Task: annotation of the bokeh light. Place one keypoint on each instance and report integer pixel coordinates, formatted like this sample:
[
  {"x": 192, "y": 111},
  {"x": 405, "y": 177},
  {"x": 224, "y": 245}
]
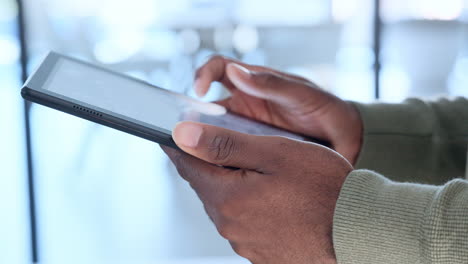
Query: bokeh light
[
  {"x": 343, "y": 10},
  {"x": 189, "y": 41},
  {"x": 9, "y": 50},
  {"x": 436, "y": 9},
  {"x": 422, "y": 9},
  {"x": 245, "y": 38},
  {"x": 118, "y": 46},
  {"x": 161, "y": 44},
  {"x": 65, "y": 9},
  {"x": 223, "y": 38},
  {"x": 292, "y": 12},
  {"x": 8, "y": 11},
  {"x": 135, "y": 14}
]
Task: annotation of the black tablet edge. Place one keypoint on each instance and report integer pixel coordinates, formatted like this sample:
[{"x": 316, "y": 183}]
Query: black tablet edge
[{"x": 92, "y": 115}]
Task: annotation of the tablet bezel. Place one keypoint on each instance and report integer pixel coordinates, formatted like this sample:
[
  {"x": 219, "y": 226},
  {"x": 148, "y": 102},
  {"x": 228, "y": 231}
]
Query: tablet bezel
[{"x": 33, "y": 91}]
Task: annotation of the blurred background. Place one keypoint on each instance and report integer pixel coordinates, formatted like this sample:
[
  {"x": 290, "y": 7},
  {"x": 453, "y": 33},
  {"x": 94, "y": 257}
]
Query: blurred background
[{"x": 102, "y": 196}]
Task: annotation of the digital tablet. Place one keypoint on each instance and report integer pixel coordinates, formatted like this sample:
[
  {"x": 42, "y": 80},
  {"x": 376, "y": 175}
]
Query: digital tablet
[{"x": 127, "y": 104}]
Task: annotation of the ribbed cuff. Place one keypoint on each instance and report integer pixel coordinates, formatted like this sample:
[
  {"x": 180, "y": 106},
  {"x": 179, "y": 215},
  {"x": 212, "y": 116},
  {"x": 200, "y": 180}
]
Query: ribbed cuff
[{"x": 380, "y": 221}]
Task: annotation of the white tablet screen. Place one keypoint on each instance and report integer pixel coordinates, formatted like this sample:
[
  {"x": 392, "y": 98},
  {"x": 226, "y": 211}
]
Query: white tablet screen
[{"x": 144, "y": 102}]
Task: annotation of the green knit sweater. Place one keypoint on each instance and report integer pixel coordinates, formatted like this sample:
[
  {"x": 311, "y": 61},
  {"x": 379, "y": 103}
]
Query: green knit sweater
[{"x": 418, "y": 212}]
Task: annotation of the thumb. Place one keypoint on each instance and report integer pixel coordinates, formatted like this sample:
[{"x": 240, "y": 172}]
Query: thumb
[
  {"x": 225, "y": 147},
  {"x": 270, "y": 85}
]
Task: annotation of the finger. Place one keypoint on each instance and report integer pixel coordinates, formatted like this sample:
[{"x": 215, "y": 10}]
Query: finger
[
  {"x": 211, "y": 183},
  {"x": 225, "y": 147},
  {"x": 211, "y": 71},
  {"x": 214, "y": 71},
  {"x": 201, "y": 175},
  {"x": 273, "y": 87},
  {"x": 224, "y": 102}
]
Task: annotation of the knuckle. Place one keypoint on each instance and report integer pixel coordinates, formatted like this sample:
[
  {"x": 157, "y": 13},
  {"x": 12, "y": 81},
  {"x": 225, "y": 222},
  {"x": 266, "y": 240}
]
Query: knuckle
[
  {"x": 216, "y": 57},
  {"x": 226, "y": 230},
  {"x": 182, "y": 165},
  {"x": 243, "y": 251},
  {"x": 199, "y": 72},
  {"x": 299, "y": 78},
  {"x": 210, "y": 61},
  {"x": 214, "y": 60},
  {"x": 266, "y": 78},
  {"x": 177, "y": 160},
  {"x": 221, "y": 148},
  {"x": 192, "y": 176},
  {"x": 185, "y": 173}
]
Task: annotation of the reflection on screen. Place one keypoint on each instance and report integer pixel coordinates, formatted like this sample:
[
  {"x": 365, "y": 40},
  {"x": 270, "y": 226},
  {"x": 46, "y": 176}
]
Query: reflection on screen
[{"x": 143, "y": 102}]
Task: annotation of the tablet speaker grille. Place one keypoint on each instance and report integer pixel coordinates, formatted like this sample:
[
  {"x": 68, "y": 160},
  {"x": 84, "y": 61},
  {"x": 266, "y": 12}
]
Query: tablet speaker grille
[{"x": 86, "y": 110}]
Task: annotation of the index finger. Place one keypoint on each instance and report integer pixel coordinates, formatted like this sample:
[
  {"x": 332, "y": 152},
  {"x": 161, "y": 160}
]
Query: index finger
[
  {"x": 209, "y": 181},
  {"x": 214, "y": 70},
  {"x": 202, "y": 176}
]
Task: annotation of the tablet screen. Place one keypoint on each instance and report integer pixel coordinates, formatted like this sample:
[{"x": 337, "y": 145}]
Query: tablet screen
[{"x": 143, "y": 102}]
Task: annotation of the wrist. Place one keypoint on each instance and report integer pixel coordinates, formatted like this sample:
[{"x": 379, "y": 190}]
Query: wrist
[{"x": 356, "y": 129}]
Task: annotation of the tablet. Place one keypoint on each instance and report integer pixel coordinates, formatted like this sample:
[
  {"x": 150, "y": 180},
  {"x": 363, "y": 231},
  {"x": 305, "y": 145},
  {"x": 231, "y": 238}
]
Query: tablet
[{"x": 127, "y": 104}]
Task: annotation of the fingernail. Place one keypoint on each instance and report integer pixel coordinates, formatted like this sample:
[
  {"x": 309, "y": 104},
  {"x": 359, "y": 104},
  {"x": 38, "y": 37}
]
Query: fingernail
[
  {"x": 244, "y": 72},
  {"x": 197, "y": 88},
  {"x": 187, "y": 134}
]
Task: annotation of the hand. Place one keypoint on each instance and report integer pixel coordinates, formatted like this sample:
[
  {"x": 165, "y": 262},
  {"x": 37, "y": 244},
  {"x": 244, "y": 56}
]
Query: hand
[
  {"x": 278, "y": 206},
  {"x": 286, "y": 101}
]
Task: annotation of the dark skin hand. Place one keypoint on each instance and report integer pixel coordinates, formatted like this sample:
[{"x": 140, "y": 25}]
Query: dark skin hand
[
  {"x": 286, "y": 101},
  {"x": 278, "y": 206}
]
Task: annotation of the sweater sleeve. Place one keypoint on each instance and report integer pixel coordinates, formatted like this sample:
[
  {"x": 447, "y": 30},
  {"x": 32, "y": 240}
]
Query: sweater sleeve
[
  {"x": 396, "y": 218},
  {"x": 416, "y": 141},
  {"x": 381, "y": 221}
]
